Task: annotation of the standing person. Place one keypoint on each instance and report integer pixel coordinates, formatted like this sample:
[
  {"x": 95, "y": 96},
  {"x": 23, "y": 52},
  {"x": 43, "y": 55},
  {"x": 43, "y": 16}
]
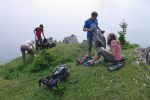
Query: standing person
[
  {"x": 29, "y": 47},
  {"x": 38, "y": 31},
  {"x": 88, "y": 27},
  {"x": 114, "y": 55}
]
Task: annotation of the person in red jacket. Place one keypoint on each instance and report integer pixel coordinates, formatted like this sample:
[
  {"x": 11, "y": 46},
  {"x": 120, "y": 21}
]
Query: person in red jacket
[{"x": 38, "y": 31}]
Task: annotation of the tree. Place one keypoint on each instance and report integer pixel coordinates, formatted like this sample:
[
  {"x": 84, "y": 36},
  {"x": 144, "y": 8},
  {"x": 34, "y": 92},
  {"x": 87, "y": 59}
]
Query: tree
[{"x": 122, "y": 33}]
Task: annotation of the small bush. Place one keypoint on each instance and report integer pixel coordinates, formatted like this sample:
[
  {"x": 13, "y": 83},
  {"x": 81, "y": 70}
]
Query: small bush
[
  {"x": 51, "y": 57},
  {"x": 43, "y": 60},
  {"x": 10, "y": 73}
]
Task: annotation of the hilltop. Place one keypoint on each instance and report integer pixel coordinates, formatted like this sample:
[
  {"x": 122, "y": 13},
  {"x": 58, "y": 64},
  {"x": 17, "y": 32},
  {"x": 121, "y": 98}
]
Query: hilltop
[{"x": 18, "y": 82}]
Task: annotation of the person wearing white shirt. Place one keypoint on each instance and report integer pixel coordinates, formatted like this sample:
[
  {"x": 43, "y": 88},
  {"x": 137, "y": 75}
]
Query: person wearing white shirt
[{"x": 29, "y": 47}]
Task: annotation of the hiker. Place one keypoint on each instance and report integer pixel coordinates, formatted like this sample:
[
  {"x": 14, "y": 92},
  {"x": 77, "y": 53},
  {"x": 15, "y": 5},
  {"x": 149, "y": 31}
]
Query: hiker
[
  {"x": 88, "y": 27},
  {"x": 29, "y": 47},
  {"x": 38, "y": 31},
  {"x": 112, "y": 56}
]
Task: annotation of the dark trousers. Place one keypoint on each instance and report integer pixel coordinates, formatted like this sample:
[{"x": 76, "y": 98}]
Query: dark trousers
[
  {"x": 107, "y": 57},
  {"x": 39, "y": 43}
]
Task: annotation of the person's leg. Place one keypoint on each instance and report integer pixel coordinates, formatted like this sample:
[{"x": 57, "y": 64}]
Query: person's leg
[
  {"x": 95, "y": 59},
  {"x": 40, "y": 42},
  {"x": 36, "y": 44},
  {"x": 23, "y": 54},
  {"x": 31, "y": 52},
  {"x": 107, "y": 57},
  {"x": 89, "y": 46}
]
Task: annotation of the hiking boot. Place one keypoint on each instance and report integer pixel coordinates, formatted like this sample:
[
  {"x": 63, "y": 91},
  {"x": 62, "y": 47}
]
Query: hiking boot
[{"x": 88, "y": 63}]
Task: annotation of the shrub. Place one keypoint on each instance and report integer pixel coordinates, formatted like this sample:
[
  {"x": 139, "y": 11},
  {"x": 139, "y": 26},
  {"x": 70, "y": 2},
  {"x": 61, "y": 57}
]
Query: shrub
[
  {"x": 122, "y": 39},
  {"x": 10, "y": 73},
  {"x": 122, "y": 33},
  {"x": 43, "y": 60},
  {"x": 129, "y": 45},
  {"x": 46, "y": 59},
  {"x": 125, "y": 44}
]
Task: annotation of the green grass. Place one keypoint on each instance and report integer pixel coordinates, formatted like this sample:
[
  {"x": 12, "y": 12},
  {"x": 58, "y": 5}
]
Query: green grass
[{"x": 17, "y": 82}]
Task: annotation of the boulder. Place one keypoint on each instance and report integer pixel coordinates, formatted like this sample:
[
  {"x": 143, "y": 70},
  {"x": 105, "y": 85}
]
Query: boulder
[
  {"x": 138, "y": 49},
  {"x": 71, "y": 40},
  {"x": 143, "y": 55},
  {"x": 51, "y": 41},
  {"x": 148, "y": 55}
]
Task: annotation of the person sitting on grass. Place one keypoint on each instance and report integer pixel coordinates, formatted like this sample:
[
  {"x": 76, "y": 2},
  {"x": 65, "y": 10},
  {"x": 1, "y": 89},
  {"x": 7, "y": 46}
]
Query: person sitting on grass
[
  {"x": 29, "y": 47},
  {"x": 114, "y": 55}
]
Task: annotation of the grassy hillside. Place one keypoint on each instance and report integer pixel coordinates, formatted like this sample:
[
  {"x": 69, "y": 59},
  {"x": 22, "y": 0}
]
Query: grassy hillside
[{"x": 132, "y": 82}]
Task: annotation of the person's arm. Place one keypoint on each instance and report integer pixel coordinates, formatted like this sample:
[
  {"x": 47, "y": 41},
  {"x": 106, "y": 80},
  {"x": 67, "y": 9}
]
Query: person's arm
[
  {"x": 43, "y": 33},
  {"x": 99, "y": 28},
  {"x": 35, "y": 34},
  {"x": 86, "y": 30},
  {"x": 34, "y": 31},
  {"x": 33, "y": 48},
  {"x": 112, "y": 51}
]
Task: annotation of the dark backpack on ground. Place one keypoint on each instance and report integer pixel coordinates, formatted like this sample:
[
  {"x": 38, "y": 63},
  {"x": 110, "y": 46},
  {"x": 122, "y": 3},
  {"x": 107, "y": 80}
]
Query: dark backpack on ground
[{"x": 60, "y": 74}]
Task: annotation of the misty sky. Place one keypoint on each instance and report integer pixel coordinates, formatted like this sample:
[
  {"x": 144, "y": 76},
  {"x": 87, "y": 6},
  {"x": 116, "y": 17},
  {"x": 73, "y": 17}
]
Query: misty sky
[{"x": 61, "y": 18}]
